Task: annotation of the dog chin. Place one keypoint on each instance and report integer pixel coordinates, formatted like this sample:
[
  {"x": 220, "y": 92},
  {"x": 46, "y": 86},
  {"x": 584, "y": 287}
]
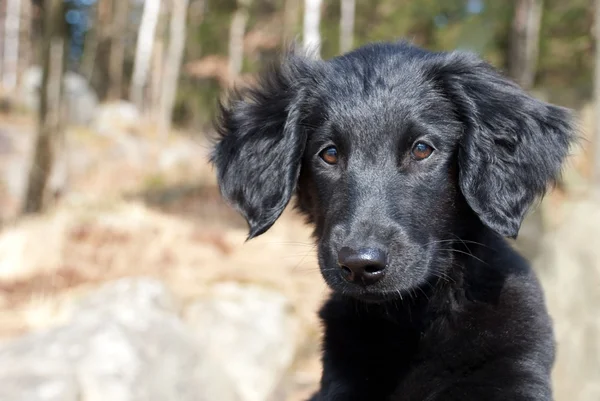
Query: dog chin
[
  {"x": 382, "y": 293},
  {"x": 374, "y": 298},
  {"x": 369, "y": 296}
]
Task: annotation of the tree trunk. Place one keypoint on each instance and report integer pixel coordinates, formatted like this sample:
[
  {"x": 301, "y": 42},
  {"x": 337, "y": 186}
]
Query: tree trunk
[
  {"x": 172, "y": 65},
  {"x": 156, "y": 79},
  {"x": 158, "y": 65},
  {"x": 143, "y": 53},
  {"x": 596, "y": 144},
  {"x": 12, "y": 21},
  {"x": 291, "y": 16},
  {"x": 49, "y": 106},
  {"x": 117, "y": 48},
  {"x": 524, "y": 42},
  {"x": 348, "y": 8},
  {"x": 26, "y": 42},
  {"x": 312, "y": 21},
  {"x": 237, "y": 30},
  {"x": 90, "y": 48},
  {"x": 2, "y": 25}
]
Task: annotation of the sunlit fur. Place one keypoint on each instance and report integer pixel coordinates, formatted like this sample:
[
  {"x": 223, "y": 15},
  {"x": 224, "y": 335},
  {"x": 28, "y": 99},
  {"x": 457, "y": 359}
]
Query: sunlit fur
[{"x": 459, "y": 315}]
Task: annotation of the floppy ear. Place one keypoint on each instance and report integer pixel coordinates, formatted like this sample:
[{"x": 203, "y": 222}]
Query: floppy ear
[
  {"x": 260, "y": 146},
  {"x": 513, "y": 145}
]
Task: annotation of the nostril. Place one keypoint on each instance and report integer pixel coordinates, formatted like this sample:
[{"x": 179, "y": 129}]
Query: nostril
[
  {"x": 346, "y": 270},
  {"x": 374, "y": 269}
]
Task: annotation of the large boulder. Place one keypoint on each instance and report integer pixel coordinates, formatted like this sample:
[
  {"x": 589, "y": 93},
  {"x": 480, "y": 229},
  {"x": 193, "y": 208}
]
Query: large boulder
[
  {"x": 247, "y": 332},
  {"x": 124, "y": 343},
  {"x": 127, "y": 342},
  {"x": 569, "y": 268},
  {"x": 38, "y": 380}
]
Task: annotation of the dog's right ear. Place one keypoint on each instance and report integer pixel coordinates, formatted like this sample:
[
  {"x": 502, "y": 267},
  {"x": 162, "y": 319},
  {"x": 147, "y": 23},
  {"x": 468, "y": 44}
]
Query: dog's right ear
[{"x": 260, "y": 145}]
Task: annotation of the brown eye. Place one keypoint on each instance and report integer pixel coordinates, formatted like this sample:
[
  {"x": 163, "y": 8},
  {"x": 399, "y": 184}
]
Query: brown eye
[
  {"x": 421, "y": 151},
  {"x": 329, "y": 155}
]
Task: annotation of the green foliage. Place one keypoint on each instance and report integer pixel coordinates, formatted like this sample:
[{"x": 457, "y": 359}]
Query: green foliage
[
  {"x": 564, "y": 71},
  {"x": 566, "y": 50}
]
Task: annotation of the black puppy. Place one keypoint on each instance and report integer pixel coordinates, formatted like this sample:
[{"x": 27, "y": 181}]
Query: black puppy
[{"x": 412, "y": 166}]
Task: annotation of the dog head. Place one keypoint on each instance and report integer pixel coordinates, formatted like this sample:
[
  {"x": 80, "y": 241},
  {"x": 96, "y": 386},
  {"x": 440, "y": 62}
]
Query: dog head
[{"x": 394, "y": 153}]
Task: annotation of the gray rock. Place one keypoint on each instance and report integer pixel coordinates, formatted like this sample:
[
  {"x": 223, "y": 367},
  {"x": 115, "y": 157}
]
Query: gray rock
[
  {"x": 126, "y": 342},
  {"x": 6, "y": 142},
  {"x": 181, "y": 153},
  {"x": 80, "y": 98},
  {"x": 15, "y": 147},
  {"x": 569, "y": 268},
  {"x": 137, "y": 294},
  {"x": 249, "y": 333},
  {"x": 31, "y": 379},
  {"x": 116, "y": 117},
  {"x": 15, "y": 176}
]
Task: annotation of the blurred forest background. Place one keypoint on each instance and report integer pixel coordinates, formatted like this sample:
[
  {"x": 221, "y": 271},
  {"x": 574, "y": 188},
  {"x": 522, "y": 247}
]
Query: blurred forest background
[{"x": 123, "y": 276}]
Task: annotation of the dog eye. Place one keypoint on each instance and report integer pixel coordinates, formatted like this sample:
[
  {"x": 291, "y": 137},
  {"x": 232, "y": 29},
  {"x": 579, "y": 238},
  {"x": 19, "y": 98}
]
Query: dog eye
[
  {"x": 421, "y": 151},
  {"x": 329, "y": 155}
]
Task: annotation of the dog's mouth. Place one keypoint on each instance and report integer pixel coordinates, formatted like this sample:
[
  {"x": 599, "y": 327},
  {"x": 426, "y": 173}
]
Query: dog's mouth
[{"x": 373, "y": 297}]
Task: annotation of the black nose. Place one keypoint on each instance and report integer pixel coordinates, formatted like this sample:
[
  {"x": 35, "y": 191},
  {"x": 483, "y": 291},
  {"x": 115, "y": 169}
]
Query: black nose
[{"x": 364, "y": 266}]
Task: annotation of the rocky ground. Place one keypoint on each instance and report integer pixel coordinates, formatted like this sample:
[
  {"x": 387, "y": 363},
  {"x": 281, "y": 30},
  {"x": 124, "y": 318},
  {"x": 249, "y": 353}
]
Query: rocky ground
[{"x": 138, "y": 285}]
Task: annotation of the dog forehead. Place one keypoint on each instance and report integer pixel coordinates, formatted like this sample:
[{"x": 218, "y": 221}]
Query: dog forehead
[
  {"x": 354, "y": 85},
  {"x": 381, "y": 117},
  {"x": 374, "y": 102},
  {"x": 376, "y": 95}
]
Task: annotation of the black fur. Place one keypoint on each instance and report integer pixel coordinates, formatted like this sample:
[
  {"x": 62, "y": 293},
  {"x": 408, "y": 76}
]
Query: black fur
[{"x": 459, "y": 315}]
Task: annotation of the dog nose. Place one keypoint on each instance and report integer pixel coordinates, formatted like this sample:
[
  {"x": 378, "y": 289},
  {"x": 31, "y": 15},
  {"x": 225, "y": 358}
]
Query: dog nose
[{"x": 363, "y": 266}]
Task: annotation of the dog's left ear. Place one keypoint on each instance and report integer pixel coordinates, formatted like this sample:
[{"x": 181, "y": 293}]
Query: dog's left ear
[
  {"x": 260, "y": 145},
  {"x": 513, "y": 145}
]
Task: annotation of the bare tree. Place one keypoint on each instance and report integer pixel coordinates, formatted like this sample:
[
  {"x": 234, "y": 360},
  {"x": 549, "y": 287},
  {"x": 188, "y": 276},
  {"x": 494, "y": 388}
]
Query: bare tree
[
  {"x": 143, "y": 53},
  {"x": 92, "y": 39},
  {"x": 348, "y": 9},
  {"x": 596, "y": 155},
  {"x": 2, "y": 24},
  {"x": 291, "y": 14},
  {"x": 524, "y": 41},
  {"x": 26, "y": 41},
  {"x": 172, "y": 65},
  {"x": 312, "y": 22},
  {"x": 156, "y": 77},
  {"x": 11, "y": 44},
  {"x": 49, "y": 106},
  {"x": 237, "y": 30},
  {"x": 117, "y": 48}
]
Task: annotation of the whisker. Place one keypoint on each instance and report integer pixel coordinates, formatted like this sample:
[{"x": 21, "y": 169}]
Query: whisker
[
  {"x": 304, "y": 257},
  {"x": 420, "y": 289},
  {"x": 465, "y": 253},
  {"x": 464, "y": 241},
  {"x": 444, "y": 276}
]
